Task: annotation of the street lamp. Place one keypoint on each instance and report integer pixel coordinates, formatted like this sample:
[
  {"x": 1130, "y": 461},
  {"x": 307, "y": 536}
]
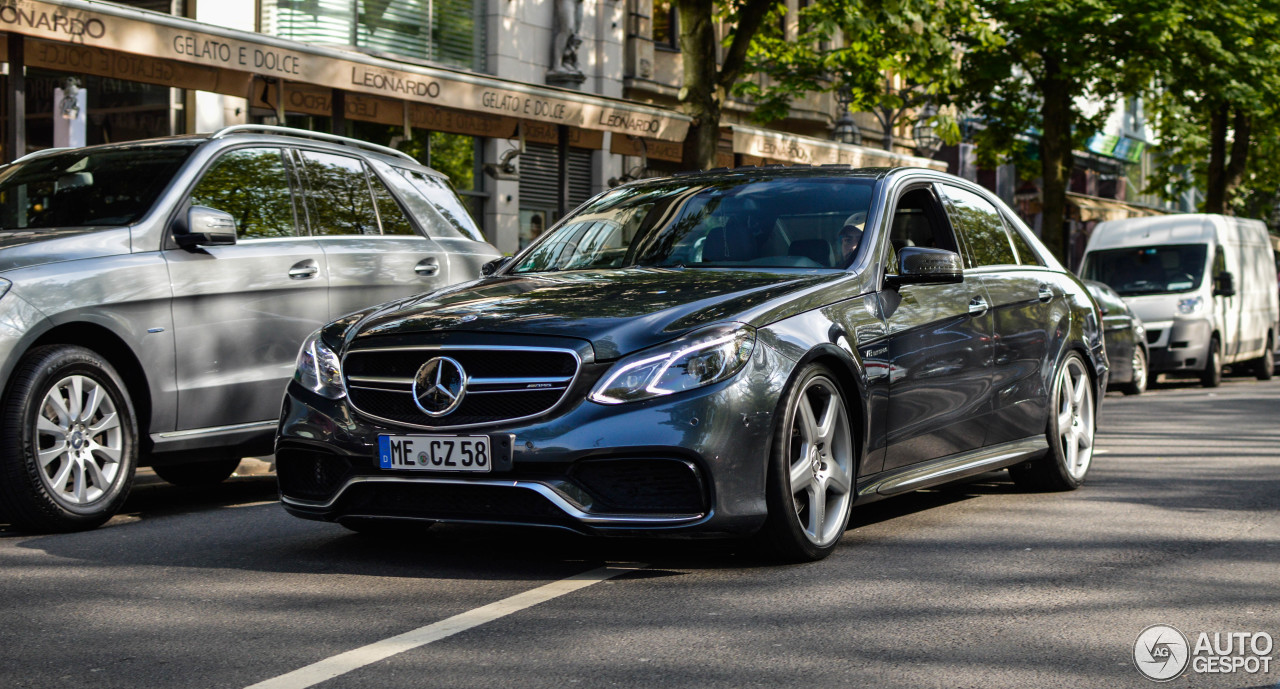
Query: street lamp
[
  {"x": 926, "y": 137},
  {"x": 846, "y": 131}
]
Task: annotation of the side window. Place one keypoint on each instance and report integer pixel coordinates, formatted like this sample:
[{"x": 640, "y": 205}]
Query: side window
[
  {"x": 252, "y": 185},
  {"x": 918, "y": 221},
  {"x": 1026, "y": 255},
  {"x": 394, "y": 221},
  {"x": 338, "y": 197},
  {"x": 979, "y": 224}
]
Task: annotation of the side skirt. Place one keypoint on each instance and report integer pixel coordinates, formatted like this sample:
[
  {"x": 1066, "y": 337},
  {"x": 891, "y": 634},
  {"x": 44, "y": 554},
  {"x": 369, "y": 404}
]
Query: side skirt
[{"x": 950, "y": 468}]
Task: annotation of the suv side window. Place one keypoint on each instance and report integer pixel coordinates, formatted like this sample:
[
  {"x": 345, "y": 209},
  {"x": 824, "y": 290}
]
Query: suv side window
[
  {"x": 980, "y": 227},
  {"x": 393, "y": 219},
  {"x": 338, "y": 198},
  {"x": 252, "y": 184}
]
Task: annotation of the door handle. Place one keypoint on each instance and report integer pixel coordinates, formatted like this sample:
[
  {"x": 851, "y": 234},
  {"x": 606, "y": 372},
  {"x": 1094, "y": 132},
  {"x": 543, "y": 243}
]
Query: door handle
[
  {"x": 427, "y": 267},
  {"x": 303, "y": 270},
  {"x": 1046, "y": 292},
  {"x": 977, "y": 306}
]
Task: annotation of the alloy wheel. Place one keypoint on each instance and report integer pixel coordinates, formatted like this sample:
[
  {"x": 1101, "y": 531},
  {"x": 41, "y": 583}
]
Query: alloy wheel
[
  {"x": 1075, "y": 417},
  {"x": 79, "y": 441},
  {"x": 821, "y": 462}
]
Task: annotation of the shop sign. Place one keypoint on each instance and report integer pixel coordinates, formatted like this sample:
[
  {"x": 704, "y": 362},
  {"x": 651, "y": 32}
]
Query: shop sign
[
  {"x": 652, "y": 149},
  {"x": 544, "y": 133},
  {"x": 80, "y": 59}
]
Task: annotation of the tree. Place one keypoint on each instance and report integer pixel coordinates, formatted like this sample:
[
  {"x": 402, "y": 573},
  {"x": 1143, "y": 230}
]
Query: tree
[
  {"x": 1214, "y": 95},
  {"x": 1048, "y": 56}
]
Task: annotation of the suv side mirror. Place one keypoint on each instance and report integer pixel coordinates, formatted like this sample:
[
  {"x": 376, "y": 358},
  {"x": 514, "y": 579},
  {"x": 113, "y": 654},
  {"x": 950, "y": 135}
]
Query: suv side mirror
[
  {"x": 1224, "y": 285},
  {"x": 205, "y": 227},
  {"x": 495, "y": 265},
  {"x": 923, "y": 265}
]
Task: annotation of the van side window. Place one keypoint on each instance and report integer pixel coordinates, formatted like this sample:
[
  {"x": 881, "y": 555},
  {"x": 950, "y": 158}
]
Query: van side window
[
  {"x": 980, "y": 228},
  {"x": 253, "y": 186}
]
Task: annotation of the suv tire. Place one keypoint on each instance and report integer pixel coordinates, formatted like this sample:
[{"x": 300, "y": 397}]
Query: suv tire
[{"x": 68, "y": 441}]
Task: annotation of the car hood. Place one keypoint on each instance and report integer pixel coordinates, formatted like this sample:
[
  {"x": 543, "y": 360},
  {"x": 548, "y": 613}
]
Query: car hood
[
  {"x": 22, "y": 248},
  {"x": 618, "y": 311}
]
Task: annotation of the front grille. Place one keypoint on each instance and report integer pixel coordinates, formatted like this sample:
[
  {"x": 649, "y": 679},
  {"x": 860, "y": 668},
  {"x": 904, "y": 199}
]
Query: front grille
[
  {"x": 310, "y": 475},
  {"x": 462, "y": 502},
  {"x": 503, "y": 383},
  {"x": 641, "y": 485}
]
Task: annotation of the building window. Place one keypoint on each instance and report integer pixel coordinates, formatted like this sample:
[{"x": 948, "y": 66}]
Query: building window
[
  {"x": 666, "y": 26},
  {"x": 448, "y": 32}
]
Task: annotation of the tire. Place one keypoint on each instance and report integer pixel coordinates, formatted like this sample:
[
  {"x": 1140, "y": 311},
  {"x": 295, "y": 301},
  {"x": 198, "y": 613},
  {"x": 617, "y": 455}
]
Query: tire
[
  {"x": 1138, "y": 384},
  {"x": 1265, "y": 366},
  {"x": 1212, "y": 376},
  {"x": 810, "y": 484},
  {"x": 70, "y": 403},
  {"x": 196, "y": 474},
  {"x": 1071, "y": 428}
]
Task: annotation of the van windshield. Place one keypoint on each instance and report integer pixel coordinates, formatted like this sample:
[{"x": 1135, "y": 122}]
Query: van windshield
[{"x": 1148, "y": 269}]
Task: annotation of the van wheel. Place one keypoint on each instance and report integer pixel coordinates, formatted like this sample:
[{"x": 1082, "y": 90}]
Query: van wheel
[
  {"x": 68, "y": 441},
  {"x": 1212, "y": 376},
  {"x": 195, "y": 474},
  {"x": 1265, "y": 365}
]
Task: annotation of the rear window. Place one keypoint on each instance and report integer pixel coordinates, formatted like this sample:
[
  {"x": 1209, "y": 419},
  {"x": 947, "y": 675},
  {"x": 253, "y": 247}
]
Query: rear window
[{"x": 79, "y": 188}]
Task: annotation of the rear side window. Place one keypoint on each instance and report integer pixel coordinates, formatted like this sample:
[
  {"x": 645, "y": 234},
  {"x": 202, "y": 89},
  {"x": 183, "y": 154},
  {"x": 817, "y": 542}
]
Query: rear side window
[
  {"x": 1026, "y": 255},
  {"x": 252, "y": 184},
  {"x": 394, "y": 221},
  {"x": 339, "y": 201},
  {"x": 980, "y": 227},
  {"x": 442, "y": 200}
]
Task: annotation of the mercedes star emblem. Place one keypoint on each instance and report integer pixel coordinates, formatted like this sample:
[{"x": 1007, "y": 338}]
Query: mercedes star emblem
[{"x": 439, "y": 386}]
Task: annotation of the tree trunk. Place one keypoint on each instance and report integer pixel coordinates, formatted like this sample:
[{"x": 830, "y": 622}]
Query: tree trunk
[
  {"x": 699, "y": 92},
  {"x": 1241, "y": 129},
  {"x": 1215, "y": 193},
  {"x": 1055, "y": 159}
]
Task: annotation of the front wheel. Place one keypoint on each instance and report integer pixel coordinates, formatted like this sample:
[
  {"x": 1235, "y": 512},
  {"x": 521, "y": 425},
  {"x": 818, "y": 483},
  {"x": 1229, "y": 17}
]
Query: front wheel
[
  {"x": 1070, "y": 433},
  {"x": 1138, "y": 383},
  {"x": 68, "y": 441},
  {"x": 811, "y": 470},
  {"x": 1265, "y": 365},
  {"x": 1212, "y": 376}
]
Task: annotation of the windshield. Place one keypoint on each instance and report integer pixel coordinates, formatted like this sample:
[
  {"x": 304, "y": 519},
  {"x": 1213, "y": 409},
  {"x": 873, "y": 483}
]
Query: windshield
[
  {"x": 1148, "y": 269},
  {"x": 810, "y": 222},
  {"x": 86, "y": 188}
]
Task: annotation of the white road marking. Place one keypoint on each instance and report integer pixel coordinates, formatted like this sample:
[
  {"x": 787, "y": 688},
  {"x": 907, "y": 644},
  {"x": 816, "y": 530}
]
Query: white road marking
[{"x": 343, "y": 663}]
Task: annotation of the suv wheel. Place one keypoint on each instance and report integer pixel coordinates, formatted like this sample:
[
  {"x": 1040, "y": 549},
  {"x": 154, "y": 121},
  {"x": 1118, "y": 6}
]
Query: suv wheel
[
  {"x": 195, "y": 474},
  {"x": 68, "y": 441},
  {"x": 811, "y": 470},
  {"x": 1070, "y": 433}
]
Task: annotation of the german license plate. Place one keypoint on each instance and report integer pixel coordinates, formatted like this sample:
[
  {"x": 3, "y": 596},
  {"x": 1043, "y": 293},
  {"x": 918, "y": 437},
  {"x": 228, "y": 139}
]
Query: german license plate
[{"x": 435, "y": 452}]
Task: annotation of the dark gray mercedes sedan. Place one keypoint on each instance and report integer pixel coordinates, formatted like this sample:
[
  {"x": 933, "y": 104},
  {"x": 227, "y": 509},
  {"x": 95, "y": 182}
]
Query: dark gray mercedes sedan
[{"x": 738, "y": 352}]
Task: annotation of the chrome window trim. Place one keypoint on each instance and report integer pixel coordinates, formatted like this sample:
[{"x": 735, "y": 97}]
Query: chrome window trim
[{"x": 577, "y": 360}]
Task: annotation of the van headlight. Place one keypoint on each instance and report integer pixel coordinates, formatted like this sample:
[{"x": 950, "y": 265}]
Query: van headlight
[
  {"x": 701, "y": 358},
  {"x": 1187, "y": 307},
  {"x": 319, "y": 369}
]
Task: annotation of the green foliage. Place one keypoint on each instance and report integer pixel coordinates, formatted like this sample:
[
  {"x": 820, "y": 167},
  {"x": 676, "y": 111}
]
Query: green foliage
[
  {"x": 251, "y": 185},
  {"x": 847, "y": 46}
]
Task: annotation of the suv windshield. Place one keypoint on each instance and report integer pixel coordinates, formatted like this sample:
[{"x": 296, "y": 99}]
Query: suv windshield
[
  {"x": 1148, "y": 269},
  {"x": 755, "y": 222},
  {"x": 82, "y": 188}
]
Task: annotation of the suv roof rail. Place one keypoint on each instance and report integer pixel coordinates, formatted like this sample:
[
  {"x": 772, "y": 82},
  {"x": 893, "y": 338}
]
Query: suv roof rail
[{"x": 305, "y": 134}]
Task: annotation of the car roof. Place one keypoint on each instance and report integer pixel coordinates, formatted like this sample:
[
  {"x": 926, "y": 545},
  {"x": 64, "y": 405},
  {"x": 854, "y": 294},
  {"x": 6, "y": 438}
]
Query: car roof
[{"x": 749, "y": 172}]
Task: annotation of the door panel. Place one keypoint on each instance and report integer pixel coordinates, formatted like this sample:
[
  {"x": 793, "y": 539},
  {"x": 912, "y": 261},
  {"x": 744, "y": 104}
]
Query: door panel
[
  {"x": 240, "y": 312},
  {"x": 1021, "y": 303}
]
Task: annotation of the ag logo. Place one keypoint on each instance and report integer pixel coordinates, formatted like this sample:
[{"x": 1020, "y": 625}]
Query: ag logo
[
  {"x": 439, "y": 386},
  {"x": 1161, "y": 653}
]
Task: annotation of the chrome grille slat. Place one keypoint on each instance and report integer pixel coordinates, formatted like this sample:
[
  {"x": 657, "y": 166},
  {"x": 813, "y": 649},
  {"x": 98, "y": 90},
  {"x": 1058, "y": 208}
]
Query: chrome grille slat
[{"x": 380, "y": 389}]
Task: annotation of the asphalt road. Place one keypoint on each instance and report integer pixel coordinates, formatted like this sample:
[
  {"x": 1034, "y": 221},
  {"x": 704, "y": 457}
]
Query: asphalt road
[{"x": 975, "y": 586}]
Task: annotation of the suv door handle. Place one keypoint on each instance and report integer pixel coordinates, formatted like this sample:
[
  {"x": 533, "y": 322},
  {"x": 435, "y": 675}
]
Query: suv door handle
[
  {"x": 427, "y": 267},
  {"x": 1046, "y": 292},
  {"x": 303, "y": 270},
  {"x": 977, "y": 306}
]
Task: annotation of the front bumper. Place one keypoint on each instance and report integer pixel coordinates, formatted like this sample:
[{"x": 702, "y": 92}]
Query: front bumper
[
  {"x": 693, "y": 462},
  {"x": 1179, "y": 345}
]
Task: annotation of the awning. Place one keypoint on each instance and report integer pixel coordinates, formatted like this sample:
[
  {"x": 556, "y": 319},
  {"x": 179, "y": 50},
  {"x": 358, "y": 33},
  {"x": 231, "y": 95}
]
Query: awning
[
  {"x": 126, "y": 43},
  {"x": 793, "y": 148},
  {"x": 1094, "y": 208}
]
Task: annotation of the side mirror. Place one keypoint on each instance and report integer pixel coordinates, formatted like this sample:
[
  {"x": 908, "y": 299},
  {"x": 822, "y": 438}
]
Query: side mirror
[
  {"x": 205, "y": 227},
  {"x": 495, "y": 265},
  {"x": 922, "y": 265},
  {"x": 1224, "y": 285}
]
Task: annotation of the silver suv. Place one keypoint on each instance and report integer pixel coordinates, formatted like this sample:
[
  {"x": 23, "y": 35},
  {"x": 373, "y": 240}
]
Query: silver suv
[{"x": 154, "y": 295}]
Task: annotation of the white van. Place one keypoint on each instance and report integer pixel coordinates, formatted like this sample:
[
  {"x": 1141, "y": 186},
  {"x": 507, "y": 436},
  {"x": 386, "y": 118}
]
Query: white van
[{"x": 1204, "y": 284}]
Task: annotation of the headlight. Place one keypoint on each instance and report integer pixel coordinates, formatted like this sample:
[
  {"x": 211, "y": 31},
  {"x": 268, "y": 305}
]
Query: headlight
[
  {"x": 319, "y": 369},
  {"x": 701, "y": 358},
  {"x": 1190, "y": 306}
]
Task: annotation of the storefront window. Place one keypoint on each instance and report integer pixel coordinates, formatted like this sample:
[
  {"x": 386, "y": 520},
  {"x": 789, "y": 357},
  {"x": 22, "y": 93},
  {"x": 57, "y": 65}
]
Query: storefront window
[
  {"x": 445, "y": 31},
  {"x": 115, "y": 110}
]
